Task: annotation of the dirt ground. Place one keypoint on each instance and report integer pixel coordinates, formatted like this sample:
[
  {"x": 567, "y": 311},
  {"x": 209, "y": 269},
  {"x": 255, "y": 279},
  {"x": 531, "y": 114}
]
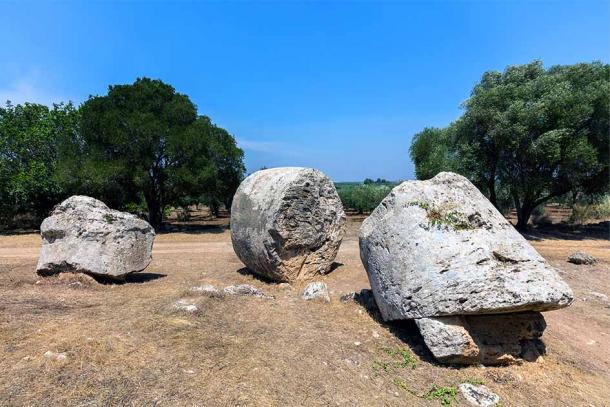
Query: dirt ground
[{"x": 127, "y": 345}]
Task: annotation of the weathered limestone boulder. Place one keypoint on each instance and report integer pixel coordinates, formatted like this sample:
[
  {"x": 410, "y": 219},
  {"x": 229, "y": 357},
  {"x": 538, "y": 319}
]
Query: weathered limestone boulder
[
  {"x": 439, "y": 247},
  {"x": 486, "y": 339},
  {"x": 83, "y": 235},
  {"x": 287, "y": 223}
]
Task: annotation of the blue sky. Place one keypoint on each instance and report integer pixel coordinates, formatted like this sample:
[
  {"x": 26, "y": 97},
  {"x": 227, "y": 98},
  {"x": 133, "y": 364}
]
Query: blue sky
[{"x": 340, "y": 86}]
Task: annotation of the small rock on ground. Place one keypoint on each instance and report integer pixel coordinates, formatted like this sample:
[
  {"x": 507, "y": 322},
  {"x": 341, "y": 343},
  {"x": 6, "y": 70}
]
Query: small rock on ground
[
  {"x": 55, "y": 355},
  {"x": 598, "y": 296},
  {"x": 316, "y": 291},
  {"x": 246, "y": 289},
  {"x": 479, "y": 395},
  {"x": 347, "y": 297},
  {"x": 185, "y": 305},
  {"x": 207, "y": 289},
  {"x": 581, "y": 258}
]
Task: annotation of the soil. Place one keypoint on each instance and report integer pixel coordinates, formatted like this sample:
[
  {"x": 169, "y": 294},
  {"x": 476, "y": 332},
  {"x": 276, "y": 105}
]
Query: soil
[{"x": 127, "y": 344}]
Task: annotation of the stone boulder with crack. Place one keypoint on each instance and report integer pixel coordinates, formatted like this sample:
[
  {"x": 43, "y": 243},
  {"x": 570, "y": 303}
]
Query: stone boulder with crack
[
  {"x": 484, "y": 339},
  {"x": 439, "y": 247},
  {"x": 287, "y": 223},
  {"x": 82, "y": 235}
]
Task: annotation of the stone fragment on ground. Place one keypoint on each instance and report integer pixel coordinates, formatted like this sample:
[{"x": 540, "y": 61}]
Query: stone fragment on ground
[
  {"x": 439, "y": 247},
  {"x": 206, "y": 289},
  {"x": 599, "y": 296},
  {"x": 186, "y": 306},
  {"x": 82, "y": 235},
  {"x": 59, "y": 356},
  {"x": 484, "y": 339},
  {"x": 479, "y": 395},
  {"x": 316, "y": 291},
  {"x": 287, "y": 223},
  {"x": 580, "y": 258},
  {"x": 246, "y": 290},
  {"x": 347, "y": 297}
]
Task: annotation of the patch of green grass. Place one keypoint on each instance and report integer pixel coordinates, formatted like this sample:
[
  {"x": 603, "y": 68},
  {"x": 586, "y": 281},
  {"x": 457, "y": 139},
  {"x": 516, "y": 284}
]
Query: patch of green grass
[
  {"x": 403, "y": 385},
  {"x": 445, "y": 394},
  {"x": 476, "y": 382},
  {"x": 406, "y": 358},
  {"x": 400, "y": 358},
  {"x": 109, "y": 218},
  {"x": 381, "y": 365}
]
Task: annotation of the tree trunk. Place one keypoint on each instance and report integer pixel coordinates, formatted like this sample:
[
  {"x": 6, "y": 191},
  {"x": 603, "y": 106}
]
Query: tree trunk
[
  {"x": 523, "y": 216},
  {"x": 155, "y": 211},
  {"x": 491, "y": 185}
]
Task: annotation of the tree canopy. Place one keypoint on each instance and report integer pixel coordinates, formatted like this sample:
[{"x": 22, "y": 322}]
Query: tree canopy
[
  {"x": 149, "y": 139},
  {"x": 142, "y": 142},
  {"x": 529, "y": 132},
  {"x": 30, "y": 136}
]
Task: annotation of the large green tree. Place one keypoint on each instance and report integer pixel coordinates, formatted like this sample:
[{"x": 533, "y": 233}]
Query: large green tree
[
  {"x": 146, "y": 137},
  {"x": 30, "y": 136},
  {"x": 535, "y": 133}
]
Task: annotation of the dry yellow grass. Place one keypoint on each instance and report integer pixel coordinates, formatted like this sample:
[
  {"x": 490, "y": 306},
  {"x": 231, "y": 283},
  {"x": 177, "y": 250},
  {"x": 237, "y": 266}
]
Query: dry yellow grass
[{"x": 127, "y": 344}]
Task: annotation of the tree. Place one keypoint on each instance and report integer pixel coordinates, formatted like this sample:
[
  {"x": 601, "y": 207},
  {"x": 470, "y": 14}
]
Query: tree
[
  {"x": 431, "y": 152},
  {"x": 30, "y": 135},
  {"x": 537, "y": 134},
  {"x": 147, "y": 138},
  {"x": 228, "y": 164}
]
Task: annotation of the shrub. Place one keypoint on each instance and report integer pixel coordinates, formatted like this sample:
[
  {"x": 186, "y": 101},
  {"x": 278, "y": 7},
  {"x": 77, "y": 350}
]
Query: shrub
[
  {"x": 362, "y": 198},
  {"x": 594, "y": 211}
]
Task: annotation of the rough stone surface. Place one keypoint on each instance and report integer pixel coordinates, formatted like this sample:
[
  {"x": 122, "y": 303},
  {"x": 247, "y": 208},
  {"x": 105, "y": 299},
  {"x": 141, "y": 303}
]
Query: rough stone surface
[
  {"x": 287, "y": 223},
  {"x": 479, "y": 395},
  {"x": 439, "y": 247},
  {"x": 316, "y": 291},
  {"x": 55, "y": 355},
  {"x": 581, "y": 258},
  {"x": 186, "y": 306},
  {"x": 245, "y": 289},
  {"x": 84, "y": 235},
  {"x": 484, "y": 339},
  {"x": 207, "y": 289}
]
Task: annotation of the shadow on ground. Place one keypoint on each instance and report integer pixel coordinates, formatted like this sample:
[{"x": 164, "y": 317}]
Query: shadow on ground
[
  {"x": 133, "y": 278},
  {"x": 191, "y": 229},
  {"x": 406, "y": 331},
  {"x": 245, "y": 271},
  {"x": 600, "y": 230}
]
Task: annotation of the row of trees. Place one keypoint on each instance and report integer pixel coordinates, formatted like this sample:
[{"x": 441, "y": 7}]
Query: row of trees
[
  {"x": 527, "y": 135},
  {"x": 365, "y": 197},
  {"x": 140, "y": 145}
]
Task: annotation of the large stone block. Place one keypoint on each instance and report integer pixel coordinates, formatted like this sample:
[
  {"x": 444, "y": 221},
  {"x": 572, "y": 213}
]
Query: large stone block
[
  {"x": 83, "y": 235},
  {"x": 287, "y": 223},
  {"x": 439, "y": 247},
  {"x": 486, "y": 339}
]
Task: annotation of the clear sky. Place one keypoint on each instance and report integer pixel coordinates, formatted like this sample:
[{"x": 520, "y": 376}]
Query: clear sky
[{"x": 340, "y": 86}]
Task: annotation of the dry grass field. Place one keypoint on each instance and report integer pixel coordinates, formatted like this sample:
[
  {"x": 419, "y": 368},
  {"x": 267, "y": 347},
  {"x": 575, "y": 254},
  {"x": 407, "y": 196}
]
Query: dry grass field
[{"x": 125, "y": 344}]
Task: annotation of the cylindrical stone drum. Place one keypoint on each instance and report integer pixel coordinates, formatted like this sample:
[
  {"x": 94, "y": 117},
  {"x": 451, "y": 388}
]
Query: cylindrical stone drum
[{"x": 287, "y": 223}]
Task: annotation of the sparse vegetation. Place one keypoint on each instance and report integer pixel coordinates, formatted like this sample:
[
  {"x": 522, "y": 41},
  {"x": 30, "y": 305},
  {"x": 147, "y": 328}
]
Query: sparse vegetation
[
  {"x": 446, "y": 394},
  {"x": 109, "y": 218},
  {"x": 442, "y": 217},
  {"x": 405, "y": 357}
]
